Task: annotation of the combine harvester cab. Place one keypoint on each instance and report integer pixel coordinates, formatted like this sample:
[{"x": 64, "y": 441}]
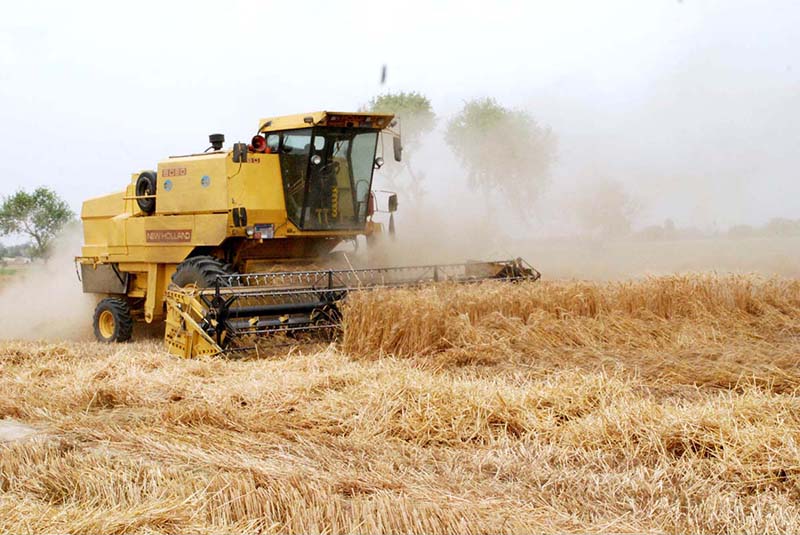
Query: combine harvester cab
[{"x": 192, "y": 242}]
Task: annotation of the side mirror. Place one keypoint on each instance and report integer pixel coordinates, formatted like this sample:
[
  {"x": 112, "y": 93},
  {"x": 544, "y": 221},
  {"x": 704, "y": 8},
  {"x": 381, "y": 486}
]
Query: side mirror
[
  {"x": 392, "y": 202},
  {"x": 398, "y": 148},
  {"x": 240, "y": 153}
]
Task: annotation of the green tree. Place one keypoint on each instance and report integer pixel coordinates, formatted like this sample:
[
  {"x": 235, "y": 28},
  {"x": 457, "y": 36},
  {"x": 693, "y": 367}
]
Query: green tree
[
  {"x": 416, "y": 118},
  {"x": 38, "y": 215},
  {"x": 414, "y": 111},
  {"x": 503, "y": 150}
]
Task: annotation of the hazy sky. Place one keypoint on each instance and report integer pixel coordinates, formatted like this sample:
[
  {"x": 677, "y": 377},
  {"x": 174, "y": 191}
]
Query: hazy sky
[{"x": 694, "y": 105}]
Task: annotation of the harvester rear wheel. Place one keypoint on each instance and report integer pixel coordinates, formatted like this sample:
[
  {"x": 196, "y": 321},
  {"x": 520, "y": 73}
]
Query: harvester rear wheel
[
  {"x": 112, "y": 320},
  {"x": 202, "y": 271}
]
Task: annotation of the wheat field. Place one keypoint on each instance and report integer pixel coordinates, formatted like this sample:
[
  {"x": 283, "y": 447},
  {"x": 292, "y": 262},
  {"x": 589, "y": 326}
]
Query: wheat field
[{"x": 659, "y": 405}]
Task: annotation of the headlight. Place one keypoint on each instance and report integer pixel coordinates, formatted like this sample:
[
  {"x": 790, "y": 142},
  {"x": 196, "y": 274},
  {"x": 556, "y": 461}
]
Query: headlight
[
  {"x": 378, "y": 162},
  {"x": 316, "y": 159},
  {"x": 250, "y": 231}
]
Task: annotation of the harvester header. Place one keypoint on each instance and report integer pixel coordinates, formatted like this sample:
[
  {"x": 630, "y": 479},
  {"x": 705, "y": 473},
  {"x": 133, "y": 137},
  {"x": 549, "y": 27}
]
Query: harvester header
[{"x": 236, "y": 310}]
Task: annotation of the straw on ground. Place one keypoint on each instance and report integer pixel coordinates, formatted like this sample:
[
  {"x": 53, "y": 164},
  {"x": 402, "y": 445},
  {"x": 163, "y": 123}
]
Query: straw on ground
[{"x": 666, "y": 404}]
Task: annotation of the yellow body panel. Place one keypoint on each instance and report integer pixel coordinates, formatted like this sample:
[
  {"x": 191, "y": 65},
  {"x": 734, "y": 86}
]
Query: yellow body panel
[
  {"x": 153, "y": 239},
  {"x": 258, "y": 187},
  {"x": 193, "y": 184},
  {"x": 103, "y": 207},
  {"x": 104, "y": 225}
]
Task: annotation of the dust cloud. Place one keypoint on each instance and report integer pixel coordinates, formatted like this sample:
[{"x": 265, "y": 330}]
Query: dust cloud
[
  {"x": 682, "y": 157},
  {"x": 599, "y": 220},
  {"x": 46, "y": 301}
]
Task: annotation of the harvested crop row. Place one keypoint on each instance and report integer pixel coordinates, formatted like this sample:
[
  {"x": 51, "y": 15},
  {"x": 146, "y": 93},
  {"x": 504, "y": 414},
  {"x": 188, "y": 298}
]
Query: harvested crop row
[{"x": 140, "y": 441}]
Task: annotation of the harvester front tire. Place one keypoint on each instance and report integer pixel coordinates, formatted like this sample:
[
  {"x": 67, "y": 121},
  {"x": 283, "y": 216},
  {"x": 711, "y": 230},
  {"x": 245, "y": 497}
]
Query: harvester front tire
[
  {"x": 112, "y": 320},
  {"x": 202, "y": 271}
]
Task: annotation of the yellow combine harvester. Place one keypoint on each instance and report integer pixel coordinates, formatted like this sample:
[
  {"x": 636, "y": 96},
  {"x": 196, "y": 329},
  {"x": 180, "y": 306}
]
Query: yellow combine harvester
[{"x": 196, "y": 241}]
